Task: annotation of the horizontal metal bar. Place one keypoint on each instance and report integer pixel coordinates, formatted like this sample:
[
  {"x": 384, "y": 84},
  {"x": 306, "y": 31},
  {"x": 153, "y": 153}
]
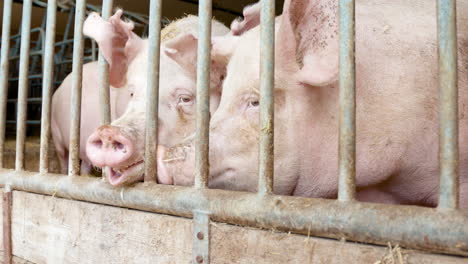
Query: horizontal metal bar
[
  {"x": 38, "y": 29},
  {"x": 4, "y": 64},
  {"x": 448, "y": 104},
  {"x": 267, "y": 76},
  {"x": 28, "y": 122},
  {"x": 31, "y": 53},
  {"x": 347, "y": 83},
  {"x": 409, "y": 226},
  {"x": 29, "y": 100},
  {"x": 34, "y": 76}
]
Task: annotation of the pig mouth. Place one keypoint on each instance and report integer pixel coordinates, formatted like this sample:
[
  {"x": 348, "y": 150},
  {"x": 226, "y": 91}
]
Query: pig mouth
[{"x": 120, "y": 176}]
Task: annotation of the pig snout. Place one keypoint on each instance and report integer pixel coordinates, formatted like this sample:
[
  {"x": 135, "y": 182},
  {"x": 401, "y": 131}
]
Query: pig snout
[{"x": 108, "y": 147}]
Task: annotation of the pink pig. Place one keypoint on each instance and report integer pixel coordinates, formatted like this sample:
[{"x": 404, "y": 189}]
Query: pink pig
[
  {"x": 397, "y": 109},
  {"x": 120, "y": 146},
  {"x": 60, "y": 122}
]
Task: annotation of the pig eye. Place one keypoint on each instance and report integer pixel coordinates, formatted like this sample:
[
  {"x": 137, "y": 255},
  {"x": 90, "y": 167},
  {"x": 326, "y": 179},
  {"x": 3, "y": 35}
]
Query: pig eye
[
  {"x": 185, "y": 99},
  {"x": 254, "y": 102},
  {"x": 131, "y": 94}
]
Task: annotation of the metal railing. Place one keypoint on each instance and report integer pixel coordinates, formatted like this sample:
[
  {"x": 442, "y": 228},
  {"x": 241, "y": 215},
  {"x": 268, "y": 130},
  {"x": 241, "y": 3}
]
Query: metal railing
[{"x": 409, "y": 226}]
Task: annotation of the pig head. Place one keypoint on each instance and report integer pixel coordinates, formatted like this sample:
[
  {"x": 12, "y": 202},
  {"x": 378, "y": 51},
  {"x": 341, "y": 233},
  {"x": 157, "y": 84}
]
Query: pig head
[
  {"x": 60, "y": 117},
  {"x": 397, "y": 120},
  {"x": 120, "y": 146}
]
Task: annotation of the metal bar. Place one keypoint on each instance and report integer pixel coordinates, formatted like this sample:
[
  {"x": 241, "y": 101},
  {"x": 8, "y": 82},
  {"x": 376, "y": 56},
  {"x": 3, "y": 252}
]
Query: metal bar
[
  {"x": 104, "y": 72},
  {"x": 6, "y": 214},
  {"x": 201, "y": 237},
  {"x": 203, "y": 94},
  {"x": 267, "y": 107},
  {"x": 47, "y": 85},
  {"x": 407, "y": 226},
  {"x": 30, "y": 77},
  {"x": 23, "y": 84},
  {"x": 78, "y": 46},
  {"x": 31, "y": 100},
  {"x": 28, "y": 122},
  {"x": 152, "y": 91},
  {"x": 4, "y": 64},
  {"x": 448, "y": 104},
  {"x": 347, "y": 137}
]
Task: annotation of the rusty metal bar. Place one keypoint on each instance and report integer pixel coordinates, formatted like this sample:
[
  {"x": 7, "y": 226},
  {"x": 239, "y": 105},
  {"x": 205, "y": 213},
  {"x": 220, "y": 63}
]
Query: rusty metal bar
[
  {"x": 104, "y": 92},
  {"x": 75, "y": 111},
  {"x": 152, "y": 91},
  {"x": 407, "y": 226},
  {"x": 448, "y": 104},
  {"x": 4, "y": 61},
  {"x": 6, "y": 214},
  {"x": 267, "y": 76},
  {"x": 23, "y": 84},
  {"x": 347, "y": 83},
  {"x": 203, "y": 94},
  {"x": 47, "y": 85}
]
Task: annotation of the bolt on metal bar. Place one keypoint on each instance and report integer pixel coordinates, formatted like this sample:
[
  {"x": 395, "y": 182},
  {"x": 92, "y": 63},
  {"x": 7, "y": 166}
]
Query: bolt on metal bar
[
  {"x": 375, "y": 223},
  {"x": 75, "y": 111},
  {"x": 203, "y": 94},
  {"x": 152, "y": 101},
  {"x": 23, "y": 84},
  {"x": 201, "y": 237},
  {"x": 104, "y": 92},
  {"x": 6, "y": 215},
  {"x": 4, "y": 62},
  {"x": 267, "y": 76},
  {"x": 47, "y": 85},
  {"x": 347, "y": 83},
  {"x": 448, "y": 104}
]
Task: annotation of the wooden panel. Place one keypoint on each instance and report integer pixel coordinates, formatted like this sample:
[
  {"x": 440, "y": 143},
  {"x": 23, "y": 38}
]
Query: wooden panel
[{"x": 54, "y": 230}]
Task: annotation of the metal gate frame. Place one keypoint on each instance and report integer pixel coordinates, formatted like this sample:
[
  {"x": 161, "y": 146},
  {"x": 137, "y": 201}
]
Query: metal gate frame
[{"x": 443, "y": 229}]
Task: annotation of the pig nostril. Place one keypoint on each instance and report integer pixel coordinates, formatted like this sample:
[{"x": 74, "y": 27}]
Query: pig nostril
[
  {"x": 118, "y": 145},
  {"x": 97, "y": 143}
]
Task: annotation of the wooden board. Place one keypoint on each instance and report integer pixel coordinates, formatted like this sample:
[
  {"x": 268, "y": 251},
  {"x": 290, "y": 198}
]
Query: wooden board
[{"x": 53, "y": 230}]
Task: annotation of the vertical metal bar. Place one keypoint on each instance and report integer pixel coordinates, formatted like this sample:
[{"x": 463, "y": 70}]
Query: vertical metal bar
[
  {"x": 6, "y": 214},
  {"x": 74, "y": 157},
  {"x": 448, "y": 104},
  {"x": 267, "y": 107},
  {"x": 4, "y": 73},
  {"x": 347, "y": 137},
  {"x": 104, "y": 72},
  {"x": 47, "y": 83},
  {"x": 152, "y": 100},
  {"x": 23, "y": 84},
  {"x": 203, "y": 94}
]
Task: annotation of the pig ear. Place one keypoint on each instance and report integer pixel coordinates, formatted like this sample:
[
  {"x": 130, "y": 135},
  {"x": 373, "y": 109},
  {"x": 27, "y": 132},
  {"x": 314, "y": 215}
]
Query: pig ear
[
  {"x": 183, "y": 50},
  {"x": 117, "y": 42},
  {"x": 251, "y": 19},
  {"x": 308, "y": 33}
]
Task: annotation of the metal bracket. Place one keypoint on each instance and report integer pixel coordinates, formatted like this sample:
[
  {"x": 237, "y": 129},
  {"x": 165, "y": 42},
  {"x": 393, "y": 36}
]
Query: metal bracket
[
  {"x": 7, "y": 199},
  {"x": 201, "y": 237}
]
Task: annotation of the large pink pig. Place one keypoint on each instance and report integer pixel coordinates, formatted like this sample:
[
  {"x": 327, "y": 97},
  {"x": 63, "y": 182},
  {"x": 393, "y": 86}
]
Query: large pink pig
[
  {"x": 120, "y": 146},
  {"x": 397, "y": 110},
  {"x": 60, "y": 122}
]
